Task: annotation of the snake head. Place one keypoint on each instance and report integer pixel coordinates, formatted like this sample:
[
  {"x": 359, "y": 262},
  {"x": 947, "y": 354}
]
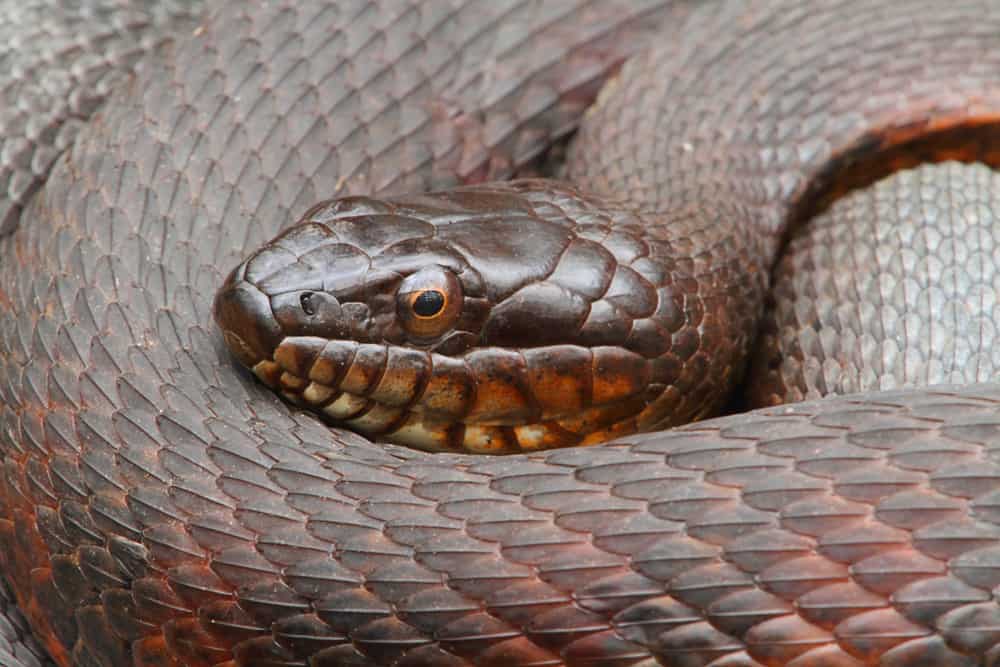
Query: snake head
[
  {"x": 488, "y": 319},
  {"x": 355, "y": 271}
]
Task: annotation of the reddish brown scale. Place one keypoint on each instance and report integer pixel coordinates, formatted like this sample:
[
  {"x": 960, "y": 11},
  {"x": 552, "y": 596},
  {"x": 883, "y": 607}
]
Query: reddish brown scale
[{"x": 560, "y": 379}]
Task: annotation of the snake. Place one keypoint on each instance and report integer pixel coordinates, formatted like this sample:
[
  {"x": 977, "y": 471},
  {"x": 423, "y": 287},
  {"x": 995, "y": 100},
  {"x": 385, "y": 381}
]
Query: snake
[{"x": 163, "y": 505}]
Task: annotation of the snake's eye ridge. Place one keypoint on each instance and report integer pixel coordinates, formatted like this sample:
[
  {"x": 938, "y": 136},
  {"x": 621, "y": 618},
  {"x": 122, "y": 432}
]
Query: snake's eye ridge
[{"x": 428, "y": 302}]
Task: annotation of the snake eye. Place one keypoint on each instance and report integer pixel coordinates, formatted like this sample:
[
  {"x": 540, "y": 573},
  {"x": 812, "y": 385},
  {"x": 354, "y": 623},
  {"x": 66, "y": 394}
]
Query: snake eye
[{"x": 428, "y": 302}]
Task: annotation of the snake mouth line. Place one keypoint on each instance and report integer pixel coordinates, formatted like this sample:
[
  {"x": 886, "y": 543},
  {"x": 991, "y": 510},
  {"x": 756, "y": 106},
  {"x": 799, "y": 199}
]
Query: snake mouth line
[{"x": 429, "y": 401}]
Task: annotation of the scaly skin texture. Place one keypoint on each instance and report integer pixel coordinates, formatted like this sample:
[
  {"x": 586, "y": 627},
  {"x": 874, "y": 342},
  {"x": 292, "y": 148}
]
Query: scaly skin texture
[
  {"x": 894, "y": 286},
  {"x": 162, "y": 507},
  {"x": 60, "y": 60}
]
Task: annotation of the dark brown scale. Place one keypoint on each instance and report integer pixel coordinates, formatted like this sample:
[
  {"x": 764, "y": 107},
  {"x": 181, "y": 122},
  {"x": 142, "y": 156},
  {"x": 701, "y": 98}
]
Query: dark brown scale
[{"x": 161, "y": 507}]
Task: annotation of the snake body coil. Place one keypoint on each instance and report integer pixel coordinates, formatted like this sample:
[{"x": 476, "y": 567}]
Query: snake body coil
[{"x": 161, "y": 508}]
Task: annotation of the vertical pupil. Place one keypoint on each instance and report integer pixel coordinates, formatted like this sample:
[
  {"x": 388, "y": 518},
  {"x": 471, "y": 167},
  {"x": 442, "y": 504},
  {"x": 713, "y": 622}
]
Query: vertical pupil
[{"x": 428, "y": 303}]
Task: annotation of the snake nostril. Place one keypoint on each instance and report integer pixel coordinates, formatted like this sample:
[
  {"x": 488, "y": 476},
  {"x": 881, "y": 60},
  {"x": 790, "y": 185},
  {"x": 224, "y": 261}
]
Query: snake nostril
[{"x": 308, "y": 313}]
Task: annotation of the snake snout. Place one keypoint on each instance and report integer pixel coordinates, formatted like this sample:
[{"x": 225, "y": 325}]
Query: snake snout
[{"x": 248, "y": 324}]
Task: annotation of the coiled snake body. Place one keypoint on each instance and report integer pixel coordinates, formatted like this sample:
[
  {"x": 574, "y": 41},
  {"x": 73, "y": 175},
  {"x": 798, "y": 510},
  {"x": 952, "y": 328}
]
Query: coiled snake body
[{"x": 162, "y": 508}]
